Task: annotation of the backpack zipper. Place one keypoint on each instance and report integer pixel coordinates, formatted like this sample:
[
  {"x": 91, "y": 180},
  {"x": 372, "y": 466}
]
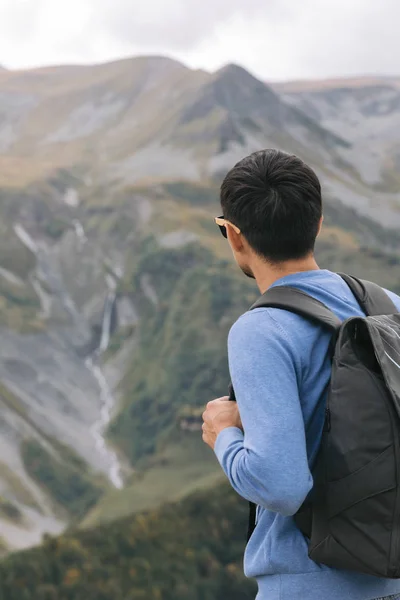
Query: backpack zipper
[
  {"x": 394, "y": 570},
  {"x": 327, "y": 423},
  {"x": 395, "y": 567}
]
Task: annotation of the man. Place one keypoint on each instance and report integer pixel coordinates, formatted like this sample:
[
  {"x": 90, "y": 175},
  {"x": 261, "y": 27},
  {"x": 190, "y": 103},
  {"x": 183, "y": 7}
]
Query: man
[{"x": 279, "y": 363}]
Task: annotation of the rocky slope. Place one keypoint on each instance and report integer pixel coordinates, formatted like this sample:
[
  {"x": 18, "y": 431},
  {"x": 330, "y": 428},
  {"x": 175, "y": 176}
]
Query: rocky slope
[
  {"x": 108, "y": 184},
  {"x": 366, "y": 113}
]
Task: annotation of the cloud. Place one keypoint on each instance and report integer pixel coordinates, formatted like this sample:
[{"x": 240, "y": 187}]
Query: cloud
[
  {"x": 37, "y": 32},
  {"x": 311, "y": 39},
  {"x": 276, "y": 39},
  {"x": 19, "y": 18},
  {"x": 346, "y": 37},
  {"x": 180, "y": 25}
]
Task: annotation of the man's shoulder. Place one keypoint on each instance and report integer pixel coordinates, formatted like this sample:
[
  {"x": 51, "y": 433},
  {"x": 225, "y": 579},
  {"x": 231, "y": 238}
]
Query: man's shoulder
[
  {"x": 256, "y": 320},
  {"x": 269, "y": 320},
  {"x": 251, "y": 322},
  {"x": 262, "y": 339},
  {"x": 268, "y": 326},
  {"x": 394, "y": 298}
]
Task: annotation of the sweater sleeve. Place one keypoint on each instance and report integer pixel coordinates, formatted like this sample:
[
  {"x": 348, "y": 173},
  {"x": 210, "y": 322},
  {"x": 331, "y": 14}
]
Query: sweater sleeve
[{"x": 268, "y": 463}]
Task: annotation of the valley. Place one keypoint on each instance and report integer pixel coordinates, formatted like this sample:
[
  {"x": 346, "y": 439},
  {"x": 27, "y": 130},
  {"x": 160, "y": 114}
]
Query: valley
[{"x": 116, "y": 292}]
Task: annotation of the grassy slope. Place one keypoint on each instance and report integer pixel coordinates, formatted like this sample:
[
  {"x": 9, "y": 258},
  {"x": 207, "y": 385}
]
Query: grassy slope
[
  {"x": 64, "y": 476},
  {"x": 182, "y": 466}
]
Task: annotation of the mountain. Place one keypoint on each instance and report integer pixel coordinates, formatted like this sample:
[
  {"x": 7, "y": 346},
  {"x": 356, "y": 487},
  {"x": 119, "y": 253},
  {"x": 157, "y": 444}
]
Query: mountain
[
  {"x": 116, "y": 292},
  {"x": 366, "y": 113},
  {"x": 143, "y": 118}
]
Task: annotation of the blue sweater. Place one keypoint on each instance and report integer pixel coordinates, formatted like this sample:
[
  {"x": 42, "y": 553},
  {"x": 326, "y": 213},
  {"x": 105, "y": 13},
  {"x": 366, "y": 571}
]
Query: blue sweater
[{"x": 279, "y": 367}]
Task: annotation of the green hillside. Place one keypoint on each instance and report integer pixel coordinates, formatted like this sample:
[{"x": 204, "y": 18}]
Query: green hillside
[{"x": 188, "y": 551}]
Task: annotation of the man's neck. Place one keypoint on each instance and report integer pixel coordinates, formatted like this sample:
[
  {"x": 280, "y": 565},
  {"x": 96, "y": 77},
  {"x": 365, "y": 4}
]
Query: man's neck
[{"x": 267, "y": 274}]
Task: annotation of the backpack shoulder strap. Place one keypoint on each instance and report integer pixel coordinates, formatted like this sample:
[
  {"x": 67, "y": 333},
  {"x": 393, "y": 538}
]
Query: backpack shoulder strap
[
  {"x": 372, "y": 298},
  {"x": 300, "y": 303}
]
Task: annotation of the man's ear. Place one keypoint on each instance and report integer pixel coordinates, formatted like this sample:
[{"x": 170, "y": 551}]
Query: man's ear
[{"x": 235, "y": 239}]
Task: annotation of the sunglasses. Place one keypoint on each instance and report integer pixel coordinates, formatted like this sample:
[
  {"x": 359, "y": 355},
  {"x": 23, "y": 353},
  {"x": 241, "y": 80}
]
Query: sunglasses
[{"x": 222, "y": 223}]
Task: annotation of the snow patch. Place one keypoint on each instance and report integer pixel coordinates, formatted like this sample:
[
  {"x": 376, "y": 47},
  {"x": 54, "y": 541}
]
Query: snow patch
[
  {"x": 88, "y": 118},
  {"x": 26, "y": 238},
  {"x": 158, "y": 161},
  {"x": 11, "y": 277},
  {"x": 149, "y": 290},
  {"x": 177, "y": 239},
  {"x": 79, "y": 231},
  {"x": 71, "y": 197},
  {"x": 45, "y": 299},
  {"x": 127, "y": 314}
]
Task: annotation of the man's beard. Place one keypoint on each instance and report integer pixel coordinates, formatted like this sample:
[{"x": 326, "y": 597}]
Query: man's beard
[{"x": 248, "y": 272}]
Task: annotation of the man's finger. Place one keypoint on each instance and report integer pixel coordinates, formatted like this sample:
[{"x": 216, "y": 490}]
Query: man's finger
[
  {"x": 206, "y": 416},
  {"x": 217, "y": 400},
  {"x": 206, "y": 429}
]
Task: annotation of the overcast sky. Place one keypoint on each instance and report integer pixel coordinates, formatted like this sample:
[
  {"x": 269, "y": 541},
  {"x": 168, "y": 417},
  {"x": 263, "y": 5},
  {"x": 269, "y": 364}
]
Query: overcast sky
[{"x": 275, "y": 39}]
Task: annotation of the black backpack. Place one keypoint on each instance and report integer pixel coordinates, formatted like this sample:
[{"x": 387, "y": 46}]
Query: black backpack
[{"x": 351, "y": 518}]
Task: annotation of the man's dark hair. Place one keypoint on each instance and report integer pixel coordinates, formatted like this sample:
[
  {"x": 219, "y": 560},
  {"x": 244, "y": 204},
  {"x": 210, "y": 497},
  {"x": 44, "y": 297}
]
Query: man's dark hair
[{"x": 275, "y": 200}]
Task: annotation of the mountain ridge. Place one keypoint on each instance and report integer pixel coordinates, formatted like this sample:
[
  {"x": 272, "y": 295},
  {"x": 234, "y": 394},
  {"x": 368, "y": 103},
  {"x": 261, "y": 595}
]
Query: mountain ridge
[
  {"x": 299, "y": 85},
  {"x": 148, "y": 118}
]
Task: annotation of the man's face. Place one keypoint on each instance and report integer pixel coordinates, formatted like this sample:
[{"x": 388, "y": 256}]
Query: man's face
[
  {"x": 240, "y": 248},
  {"x": 246, "y": 270},
  {"x": 242, "y": 260}
]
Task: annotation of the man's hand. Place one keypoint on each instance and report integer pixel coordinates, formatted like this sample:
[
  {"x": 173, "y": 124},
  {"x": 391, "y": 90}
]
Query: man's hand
[{"x": 219, "y": 415}]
